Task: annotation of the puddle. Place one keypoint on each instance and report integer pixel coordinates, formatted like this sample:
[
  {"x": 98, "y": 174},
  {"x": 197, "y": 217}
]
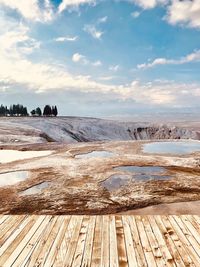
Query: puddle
[
  {"x": 146, "y": 172},
  {"x": 134, "y": 173},
  {"x": 179, "y": 147},
  {"x": 11, "y": 178},
  {"x": 36, "y": 189},
  {"x": 12, "y": 155},
  {"x": 116, "y": 181},
  {"x": 95, "y": 154},
  {"x": 144, "y": 169}
]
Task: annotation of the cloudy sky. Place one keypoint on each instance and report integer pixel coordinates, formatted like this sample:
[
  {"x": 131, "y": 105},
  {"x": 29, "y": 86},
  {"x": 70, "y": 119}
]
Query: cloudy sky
[{"x": 101, "y": 57}]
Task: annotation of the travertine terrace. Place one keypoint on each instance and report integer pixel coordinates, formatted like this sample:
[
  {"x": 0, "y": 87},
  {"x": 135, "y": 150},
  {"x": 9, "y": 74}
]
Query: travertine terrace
[{"x": 63, "y": 182}]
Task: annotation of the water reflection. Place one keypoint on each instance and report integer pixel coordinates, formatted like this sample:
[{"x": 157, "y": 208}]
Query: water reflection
[
  {"x": 179, "y": 147},
  {"x": 95, "y": 154},
  {"x": 135, "y": 173},
  {"x": 36, "y": 189},
  {"x": 11, "y": 178}
]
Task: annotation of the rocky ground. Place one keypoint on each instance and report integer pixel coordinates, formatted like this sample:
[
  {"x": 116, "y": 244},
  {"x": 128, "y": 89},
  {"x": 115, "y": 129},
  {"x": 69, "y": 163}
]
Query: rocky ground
[
  {"x": 35, "y": 130},
  {"x": 76, "y": 185}
]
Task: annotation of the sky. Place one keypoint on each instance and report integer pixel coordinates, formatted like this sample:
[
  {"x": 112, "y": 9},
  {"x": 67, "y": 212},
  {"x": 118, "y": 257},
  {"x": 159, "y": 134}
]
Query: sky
[{"x": 101, "y": 57}]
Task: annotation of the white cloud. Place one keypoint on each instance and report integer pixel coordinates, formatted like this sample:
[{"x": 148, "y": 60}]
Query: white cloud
[
  {"x": 147, "y": 4},
  {"x": 91, "y": 29},
  {"x": 114, "y": 68},
  {"x": 184, "y": 12},
  {"x": 135, "y": 14},
  {"x": 30, "y": 9},
  {"x": 106, "y": 78},
  {"x": 78, "y": 58},
  {"x": 66, "y": 39},
  {"x": 19, "y": 71},
  {"x": 102, "y": 20},
  {"x": 73, "y": 3},
  {"x": 193, "y": 57},
  {"x": 97, "y": 63},
  {"x": 48, "y": 13},
  {"x": 18, "y": 41},
  {"x": 161, "y": 93}
]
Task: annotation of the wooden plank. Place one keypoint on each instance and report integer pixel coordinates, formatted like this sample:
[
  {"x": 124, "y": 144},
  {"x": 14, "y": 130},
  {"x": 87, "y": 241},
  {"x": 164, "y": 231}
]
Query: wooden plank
[
  {"x": 114, "y": 262},
  {"x": 121, "y": 247},
  {"x": 194, "y": 232},
  {"x": 145, "y": 242},
  {"x": 7, "y": 228},
  {"x": 81, "y": 242},
  {"x": 49, "y": 242},
  {"x": 153, "y": 243},
  {"x": 11, "y": 240},
  {"x": 131, "y": 253},
  {"x": 3, "y": 218},
  {"x": 195, "y": 222},
  {"x": 41, "y": 244},
  {"x": 96, "y": 252},
  {"x": 105, "y": 251},
  {"x": 51, "y": 257},
  {"x": 197, "y": 219},
  {"x": 10, "y": 228},
  {"x": 160, "y": 235},
  {"x": 73, "y": 242},
  {"x": 30, "y": 246},
  {"x": 65, "y": 243},
  {"x": 103, "y": 241},
  {"x": 14, "y": 240},
  {"x": 182, "y": 242},
  {"x": 169, "y": 239},
  {"x": 86, "y": 262},
  {"x": 141, "y": 260},
  {"x": 22, "y": 240},
  {"x": 190, "y": 233},
  {"x": 6, "y": 221}
]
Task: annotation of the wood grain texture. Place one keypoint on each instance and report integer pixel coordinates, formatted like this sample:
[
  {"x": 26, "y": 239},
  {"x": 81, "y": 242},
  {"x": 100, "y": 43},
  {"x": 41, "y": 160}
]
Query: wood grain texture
[{"x": 87, "y": 241}]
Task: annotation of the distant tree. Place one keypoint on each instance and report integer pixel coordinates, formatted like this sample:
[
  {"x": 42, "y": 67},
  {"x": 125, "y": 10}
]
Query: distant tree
[
  {"x": 19, "y": 110},
  {"x": 11, "y": 110},
  {"x": 38, "y": 112},
  {"x": 33, "y": 112},
  {"x": 14, "y": 110},
  {"x": 54, "y": 111},
  {"x": 47, "y": 111},
  {"x": 2, "y": 110},
  {"x": 7, "y": 111},
  {"x": 25, "y": 112}
]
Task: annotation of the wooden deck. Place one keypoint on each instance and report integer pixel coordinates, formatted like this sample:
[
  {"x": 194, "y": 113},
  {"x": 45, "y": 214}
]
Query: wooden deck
[{"x": 99, "y": 241}]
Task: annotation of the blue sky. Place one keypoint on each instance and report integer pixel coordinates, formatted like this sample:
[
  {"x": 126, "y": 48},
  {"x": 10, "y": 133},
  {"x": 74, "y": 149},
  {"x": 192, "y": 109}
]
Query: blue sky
[{"x": 101, "y": 58}]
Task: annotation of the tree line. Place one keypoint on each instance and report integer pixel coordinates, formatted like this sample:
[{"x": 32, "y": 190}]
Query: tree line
[{"x": 20, "y": 110}]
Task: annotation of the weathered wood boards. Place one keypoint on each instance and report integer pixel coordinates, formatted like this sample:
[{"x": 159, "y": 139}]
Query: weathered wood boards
[{"x": 102, "y": 241}]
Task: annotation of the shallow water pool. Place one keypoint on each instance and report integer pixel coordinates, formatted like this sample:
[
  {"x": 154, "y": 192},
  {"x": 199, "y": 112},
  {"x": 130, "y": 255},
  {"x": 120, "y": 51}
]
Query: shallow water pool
[
  {"x": 134, "y": 173},
  {"x": 95, "y": 154},
  {"x": 145, "y": 172},
  {"x": 36, "y": 189},
  {"x": 141, "y": 169},
  {"x": 11, "y": 178},
  {"x": 115, "y": 181},
  {"x": 176, "y": 147},
  {"x": 12, "y": 155}
]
